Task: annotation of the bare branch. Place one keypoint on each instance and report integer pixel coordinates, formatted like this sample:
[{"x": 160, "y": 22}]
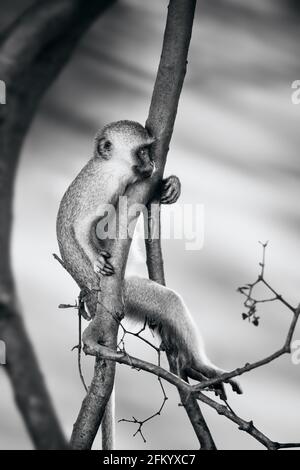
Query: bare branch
[
  {"x": 243, "y": 425},
  {"x": 141, "y": 423}
]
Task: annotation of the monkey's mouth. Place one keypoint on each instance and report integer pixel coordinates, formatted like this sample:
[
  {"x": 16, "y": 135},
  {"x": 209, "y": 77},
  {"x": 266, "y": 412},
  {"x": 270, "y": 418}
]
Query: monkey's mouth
[{"x": 146, "y": 171}]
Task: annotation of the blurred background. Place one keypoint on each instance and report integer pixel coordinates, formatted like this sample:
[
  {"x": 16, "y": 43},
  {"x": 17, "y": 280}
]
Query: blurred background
[{"x": 235, "y": 149}]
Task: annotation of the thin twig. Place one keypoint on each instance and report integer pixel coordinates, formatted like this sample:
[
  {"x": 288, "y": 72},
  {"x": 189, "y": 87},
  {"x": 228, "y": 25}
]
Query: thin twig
[{"x": 79, "y": 349}]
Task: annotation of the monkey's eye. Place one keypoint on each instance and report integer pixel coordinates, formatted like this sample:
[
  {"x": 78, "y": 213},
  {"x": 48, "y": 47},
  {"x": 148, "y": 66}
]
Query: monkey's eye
[
  {"x": 143, "y": 152},
  {"x": 104, "y": 147},
  {"x": 107, "y": 145}
]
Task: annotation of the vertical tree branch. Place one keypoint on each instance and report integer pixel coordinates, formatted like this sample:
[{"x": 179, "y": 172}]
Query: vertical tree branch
[
  {"x": 102, "y": 329},
  {"x": 33, "y": 50},
  {"x": 108, "y": 430},
  {"x": 160, "y": 122}
]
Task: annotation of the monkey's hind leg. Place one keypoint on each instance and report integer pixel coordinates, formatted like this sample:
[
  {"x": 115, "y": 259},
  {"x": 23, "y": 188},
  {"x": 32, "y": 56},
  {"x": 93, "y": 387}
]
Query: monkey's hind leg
[{"x": 165, "y": 308}]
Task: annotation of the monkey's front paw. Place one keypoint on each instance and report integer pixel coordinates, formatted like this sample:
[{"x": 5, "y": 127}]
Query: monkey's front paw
[
  {"x": 171, "y": 190},
  {"x": 103, "y": 266}
]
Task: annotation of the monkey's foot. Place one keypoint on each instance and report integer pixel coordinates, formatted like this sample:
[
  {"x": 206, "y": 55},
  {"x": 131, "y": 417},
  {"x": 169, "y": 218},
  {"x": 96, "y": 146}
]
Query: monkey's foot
[
  {"x": 90, "y": 339},
  {"x": 211, "y": 373},
  {"x": 102, "y": 265},
  {"x": 171, "y": 190}
]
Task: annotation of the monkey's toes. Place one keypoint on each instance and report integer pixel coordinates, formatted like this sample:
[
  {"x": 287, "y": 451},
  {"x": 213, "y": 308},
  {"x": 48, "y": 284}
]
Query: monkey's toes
[
  {"x": 220, "y": 392},
  {"x": 235, "y": 386},
  {"x": 219, "y": 388}
]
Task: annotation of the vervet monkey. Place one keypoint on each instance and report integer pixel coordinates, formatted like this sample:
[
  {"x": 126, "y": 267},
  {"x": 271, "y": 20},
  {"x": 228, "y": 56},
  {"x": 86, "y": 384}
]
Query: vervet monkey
[{"x": 121, "y": 158}]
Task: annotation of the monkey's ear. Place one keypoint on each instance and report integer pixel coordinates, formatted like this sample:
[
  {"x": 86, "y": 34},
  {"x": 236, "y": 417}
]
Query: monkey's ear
[{"x": 103, "y": 148}]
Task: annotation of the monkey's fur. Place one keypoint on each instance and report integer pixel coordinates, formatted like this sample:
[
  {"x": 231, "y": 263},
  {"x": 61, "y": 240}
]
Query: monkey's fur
[{"x": 121, "y": 158}]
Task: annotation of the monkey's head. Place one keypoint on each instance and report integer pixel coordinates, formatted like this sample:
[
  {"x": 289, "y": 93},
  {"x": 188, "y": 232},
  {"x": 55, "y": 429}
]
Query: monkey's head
[{"x": 128, "y": 143}]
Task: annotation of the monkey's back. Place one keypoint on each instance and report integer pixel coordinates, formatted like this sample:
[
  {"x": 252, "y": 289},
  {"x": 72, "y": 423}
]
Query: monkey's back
[
  {"x": 81, "y": 199},
  {"x": 99, "y": 183}
]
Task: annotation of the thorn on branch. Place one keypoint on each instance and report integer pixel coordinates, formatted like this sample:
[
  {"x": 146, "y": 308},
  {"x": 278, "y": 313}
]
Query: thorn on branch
[{"x": 68, "y": 306}]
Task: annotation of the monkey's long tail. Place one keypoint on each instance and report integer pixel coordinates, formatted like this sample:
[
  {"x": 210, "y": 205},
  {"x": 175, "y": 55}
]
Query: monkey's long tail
[{"x": 108, "y": 424}]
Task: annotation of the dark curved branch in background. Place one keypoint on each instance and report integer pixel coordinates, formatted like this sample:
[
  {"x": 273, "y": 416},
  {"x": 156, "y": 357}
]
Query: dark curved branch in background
[{"x": 33, "y": 50}]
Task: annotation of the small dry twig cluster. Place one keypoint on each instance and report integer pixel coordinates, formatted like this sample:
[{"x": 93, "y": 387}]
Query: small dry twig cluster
[
  {"x": 122, "y": 348},
  {"x": 251, "y": 303}
]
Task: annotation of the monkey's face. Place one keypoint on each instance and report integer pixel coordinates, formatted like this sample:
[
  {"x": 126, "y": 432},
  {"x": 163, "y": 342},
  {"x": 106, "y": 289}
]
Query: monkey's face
[
  {"x": 143, "y": 166},
  {"x": 128, "y": 145}
]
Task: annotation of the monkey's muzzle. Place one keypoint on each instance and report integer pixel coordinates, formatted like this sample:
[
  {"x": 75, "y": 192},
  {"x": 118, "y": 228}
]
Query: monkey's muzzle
[{"x": 146, "y": 170}]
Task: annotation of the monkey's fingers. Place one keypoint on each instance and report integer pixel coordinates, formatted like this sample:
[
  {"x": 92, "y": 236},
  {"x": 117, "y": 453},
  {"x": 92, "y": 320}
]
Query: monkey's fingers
[
  {"x": 108, "y": 267},
  {"x": 103, "y": 262},
  {"x": 105, "y": 254},
  {"x": 107, "y": 270},
  {"x": 171, "y": 190},
  {"x": 101, "y": 266},
  {"x": 105, "y": 267},
  {"x": 106, "y": 273},
  {"x": 173, "y": 181},
  {"x": 167, "y": 196},
  {"x": 170, "y": 197},
  {"x": 167, "y": 184}
]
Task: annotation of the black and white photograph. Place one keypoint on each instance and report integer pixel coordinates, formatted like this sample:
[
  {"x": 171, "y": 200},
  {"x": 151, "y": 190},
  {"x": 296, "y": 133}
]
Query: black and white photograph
[{"x": 149, "y": 227}]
